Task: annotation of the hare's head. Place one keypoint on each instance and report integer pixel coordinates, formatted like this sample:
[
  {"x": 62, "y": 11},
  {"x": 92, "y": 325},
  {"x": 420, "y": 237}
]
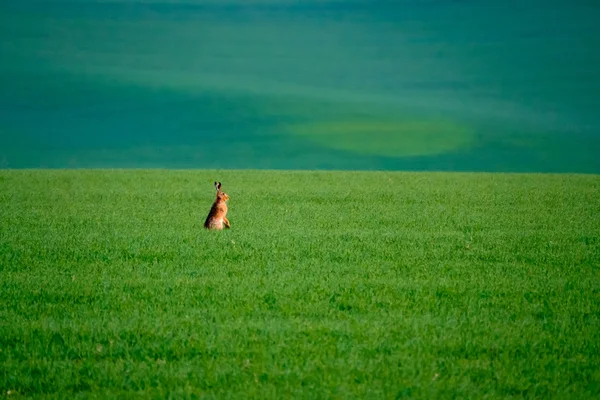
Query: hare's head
[{"x": 221, "y": 196}]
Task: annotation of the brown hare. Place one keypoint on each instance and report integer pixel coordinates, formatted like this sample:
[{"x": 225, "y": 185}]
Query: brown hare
[{"x": 217, "y": 215}]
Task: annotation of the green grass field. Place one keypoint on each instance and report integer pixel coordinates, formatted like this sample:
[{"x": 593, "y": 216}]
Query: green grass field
[{"x": 329, "y": 285}]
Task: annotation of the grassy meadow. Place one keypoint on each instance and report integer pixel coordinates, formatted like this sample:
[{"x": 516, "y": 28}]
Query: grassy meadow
[{"x": 329, "y": 285}]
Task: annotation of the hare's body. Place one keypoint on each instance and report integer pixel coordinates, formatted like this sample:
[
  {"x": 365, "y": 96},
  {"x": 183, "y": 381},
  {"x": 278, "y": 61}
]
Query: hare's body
[{"x": 217, "y": 217}]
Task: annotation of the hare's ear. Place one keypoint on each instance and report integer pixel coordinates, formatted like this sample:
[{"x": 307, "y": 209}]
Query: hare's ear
[{"x": 218, "y": 186}]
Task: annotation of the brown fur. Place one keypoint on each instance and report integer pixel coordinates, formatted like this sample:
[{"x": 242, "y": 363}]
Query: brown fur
[{"x": 217, "y": 217}]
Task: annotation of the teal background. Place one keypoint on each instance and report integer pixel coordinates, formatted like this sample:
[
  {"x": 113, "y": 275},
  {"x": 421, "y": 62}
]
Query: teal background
[{"x": 490, "y": 86}]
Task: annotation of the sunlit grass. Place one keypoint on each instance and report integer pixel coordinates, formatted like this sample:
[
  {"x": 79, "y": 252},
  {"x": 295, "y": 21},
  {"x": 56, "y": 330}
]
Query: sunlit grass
[
  {"x": 330, "y": 284},
  {"x": 384, "y": 137}
]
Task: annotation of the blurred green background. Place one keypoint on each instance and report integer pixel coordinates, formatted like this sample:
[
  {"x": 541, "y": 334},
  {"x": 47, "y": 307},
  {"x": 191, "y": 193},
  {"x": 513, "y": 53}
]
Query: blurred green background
[{"x": 394, "y": 85}]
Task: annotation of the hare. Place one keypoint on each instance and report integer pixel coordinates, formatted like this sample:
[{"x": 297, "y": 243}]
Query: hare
[{"x": 217, "y": 215}]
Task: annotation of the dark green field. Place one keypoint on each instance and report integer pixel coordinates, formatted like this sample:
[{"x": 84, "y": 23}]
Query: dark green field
[
  {"x": 329, "y": 285},
  {"x": 495, "y": 86}
]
